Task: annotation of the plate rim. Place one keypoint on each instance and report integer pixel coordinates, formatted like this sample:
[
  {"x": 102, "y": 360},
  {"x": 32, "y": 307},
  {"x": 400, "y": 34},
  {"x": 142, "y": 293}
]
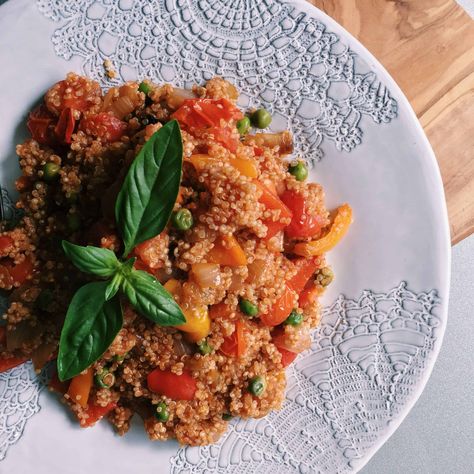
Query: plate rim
[{"x": 439, "y": 195}]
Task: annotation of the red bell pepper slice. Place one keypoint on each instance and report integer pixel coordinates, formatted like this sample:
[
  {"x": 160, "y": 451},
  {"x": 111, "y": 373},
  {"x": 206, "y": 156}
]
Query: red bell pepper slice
[{"x": 174, "y": 386}]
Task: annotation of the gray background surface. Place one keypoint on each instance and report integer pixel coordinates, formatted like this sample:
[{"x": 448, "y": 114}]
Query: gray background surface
[{"x": 437, "y": 436}]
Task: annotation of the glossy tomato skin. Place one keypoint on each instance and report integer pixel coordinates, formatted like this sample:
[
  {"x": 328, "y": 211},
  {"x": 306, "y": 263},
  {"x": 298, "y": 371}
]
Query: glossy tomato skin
[
  {"x": 6, "y": 243},
  {"x": 74, "y": 92},
  {"x": 235, "y": 345},
  {"x": 305, "y": 269},
  {"x": 227, "y": 137},
  {"x": 281, "y": 309},
  {"x": 20, "y": 272},
  {"x": 287, "y": 357},
  {"x": 302, "y": 225},
  {"x": 270, "y": 200},
  {"x": 171, "y": 385},
  {"x": 10, "y": 363},
  {"x": 206, "y": 113},
  {"x": 96, "y": 413},
  {"x": 104, "y": 126},
  {"x": 39, "y": 124},
  {"x": 65, "y": 126}
]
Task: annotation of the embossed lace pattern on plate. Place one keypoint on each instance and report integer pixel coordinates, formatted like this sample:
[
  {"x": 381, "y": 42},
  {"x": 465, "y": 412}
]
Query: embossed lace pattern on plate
[
  {"x": 19, "y": 401},
  {"x": 364, "y": 364},
  {"x": 277, "y": 56},
  {"x": 342, "y": 395}
]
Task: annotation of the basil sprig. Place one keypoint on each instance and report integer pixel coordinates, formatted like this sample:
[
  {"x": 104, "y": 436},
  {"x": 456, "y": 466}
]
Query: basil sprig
[{"x": 142, "y": 210}]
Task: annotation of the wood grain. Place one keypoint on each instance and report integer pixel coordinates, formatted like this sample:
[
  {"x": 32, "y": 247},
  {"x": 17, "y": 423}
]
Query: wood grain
[{"x": 428, "y": 48}]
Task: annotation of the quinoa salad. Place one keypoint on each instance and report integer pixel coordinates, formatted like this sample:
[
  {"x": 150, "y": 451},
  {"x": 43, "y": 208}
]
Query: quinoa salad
[{"x": 168, "y": 259}]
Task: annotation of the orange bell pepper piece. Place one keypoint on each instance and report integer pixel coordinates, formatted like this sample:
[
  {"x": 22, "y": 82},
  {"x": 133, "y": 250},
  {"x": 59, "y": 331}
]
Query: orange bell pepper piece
[
  {"x": 281, "y": 309},
  {"x": 227, "y": 251},
  {"x": 246, "y": 167},
  {"x": 338, "y": 229},
  {"x": 80, "y": 387},
  {"x": 270, "y": 200},
  {"x": 236, "y": 344}
]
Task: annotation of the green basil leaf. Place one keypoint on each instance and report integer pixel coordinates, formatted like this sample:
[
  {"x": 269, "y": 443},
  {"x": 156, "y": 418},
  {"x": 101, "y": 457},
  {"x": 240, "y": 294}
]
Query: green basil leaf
[
  {"x": 95, "y": 260},
  {"x": 151, "y": 300},
  {"x": 90, "y": 326},
  {"x": 113, "y": 286},
  {"x": 150, "y": 189}
]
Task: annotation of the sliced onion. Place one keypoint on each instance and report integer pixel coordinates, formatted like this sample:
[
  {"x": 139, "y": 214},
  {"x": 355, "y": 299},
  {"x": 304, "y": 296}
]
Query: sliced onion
[
  {"x": 283, "y": 140},
  {"x": 206, "y": 275},
  {"x": 237, "y": 281},
  {"x": 108, "y": 98},
  {"x": 122, "y": 107},
  {"x": 182, "y": 347},
  {"x": 298, "y": 341},
  {"x": 178, "y": 96},
  {"x": 256, "y": 270}
]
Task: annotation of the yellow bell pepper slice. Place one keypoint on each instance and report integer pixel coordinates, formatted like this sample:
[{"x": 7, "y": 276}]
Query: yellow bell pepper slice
[
  {"x": 227, "y": 251},
  {"x": 198, "y": 322},
  {"x": 247, "y": 167},
  {"x": 339, "y": 227}
]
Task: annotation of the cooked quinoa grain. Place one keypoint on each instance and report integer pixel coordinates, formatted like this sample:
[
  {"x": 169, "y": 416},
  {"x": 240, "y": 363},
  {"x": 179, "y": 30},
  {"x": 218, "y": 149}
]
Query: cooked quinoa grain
[{"x": 225, "y": 256}]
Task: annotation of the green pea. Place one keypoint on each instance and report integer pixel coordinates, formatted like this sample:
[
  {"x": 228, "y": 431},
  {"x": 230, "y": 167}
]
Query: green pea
[
  {"x": 299, "y": 171},
  {"x": 226, "y": 416},
  {"x": 144, "y": 87},
  {"x": 44, "y": 299},
  {"x": 104, "y": 379},
  {"x": 161, "y": 412},
  {"x": 120, "y": 357},
  {"x": 261, "y": 118},
  {"x": 257, "y": 386},
  {"x": 294, "y": 319},
  {"x": 204, "y": 347},
  {"x": 248, "y": 308},
  {"x": 182, "y": 219},
  {"x": 73, "y": 222},
  {"x": 51, "y": 171},
  {"x": 243, "y": 125}
]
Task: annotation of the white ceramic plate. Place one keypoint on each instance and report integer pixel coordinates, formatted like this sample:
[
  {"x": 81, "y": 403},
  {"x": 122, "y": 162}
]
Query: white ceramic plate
[{"x": 386, "y": 312}]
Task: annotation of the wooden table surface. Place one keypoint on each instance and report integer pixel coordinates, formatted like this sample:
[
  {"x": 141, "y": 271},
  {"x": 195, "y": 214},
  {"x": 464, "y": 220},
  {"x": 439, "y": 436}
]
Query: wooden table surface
[{"x": 428, "y": 48}]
